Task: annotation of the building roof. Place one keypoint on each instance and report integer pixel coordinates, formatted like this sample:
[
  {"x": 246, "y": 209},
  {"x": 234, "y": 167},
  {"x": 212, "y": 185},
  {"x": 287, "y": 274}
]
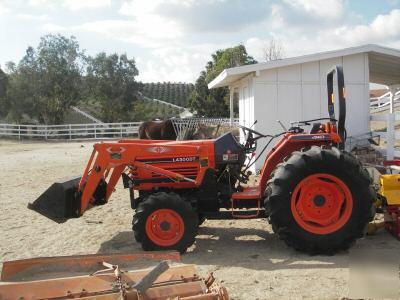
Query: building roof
[{"x": 384, "y": 65}]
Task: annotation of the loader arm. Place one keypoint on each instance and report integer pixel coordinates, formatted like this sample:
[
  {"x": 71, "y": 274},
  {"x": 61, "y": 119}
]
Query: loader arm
[{"x": 109, "y": 160}]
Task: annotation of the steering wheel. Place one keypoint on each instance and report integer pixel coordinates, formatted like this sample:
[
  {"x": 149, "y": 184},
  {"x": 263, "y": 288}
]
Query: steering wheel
[{"x": 251, "y": 137}]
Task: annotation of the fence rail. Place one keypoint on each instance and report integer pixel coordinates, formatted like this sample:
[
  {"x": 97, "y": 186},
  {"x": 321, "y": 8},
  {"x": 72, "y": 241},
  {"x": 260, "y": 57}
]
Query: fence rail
[
  {"x": 94, "y": 130},
  {"x": 385, "y": 106},
  {"x": 382, "y": 103},
  {"x": 70, "y": 131}
]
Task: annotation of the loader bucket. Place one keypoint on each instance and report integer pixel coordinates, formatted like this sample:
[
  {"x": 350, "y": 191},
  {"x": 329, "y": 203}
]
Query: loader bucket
[{"x": 60, "y": 201}]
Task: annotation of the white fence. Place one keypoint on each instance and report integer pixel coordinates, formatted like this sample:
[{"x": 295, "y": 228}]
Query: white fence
[
  {"x": 71, "y": 131},
  {"x": 383, "y": 110},
  {"x": 382, "y": 103},
  {"x": 97, "y": 131}
]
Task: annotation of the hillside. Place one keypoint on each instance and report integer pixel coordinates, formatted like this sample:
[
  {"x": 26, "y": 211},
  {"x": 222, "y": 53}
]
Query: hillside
[
  {"x": 175, "y": 93},
  {"x": 145, "y": 109}
]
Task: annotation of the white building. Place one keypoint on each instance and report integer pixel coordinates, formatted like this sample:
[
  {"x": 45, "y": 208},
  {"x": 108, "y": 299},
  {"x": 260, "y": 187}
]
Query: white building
[{"x": 294, "y": 89}]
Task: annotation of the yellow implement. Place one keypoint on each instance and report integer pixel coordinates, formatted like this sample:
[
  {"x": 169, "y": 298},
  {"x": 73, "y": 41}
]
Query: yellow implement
[{"x": 390, "y": 188}]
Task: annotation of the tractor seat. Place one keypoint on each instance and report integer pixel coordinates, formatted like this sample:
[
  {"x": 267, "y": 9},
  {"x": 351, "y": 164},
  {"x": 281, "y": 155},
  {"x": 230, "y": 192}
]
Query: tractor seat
[{"x": 316, "y": 128}]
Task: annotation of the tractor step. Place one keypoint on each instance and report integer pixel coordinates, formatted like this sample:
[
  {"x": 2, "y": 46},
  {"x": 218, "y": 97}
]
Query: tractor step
[{"x": 249, "y": 194}]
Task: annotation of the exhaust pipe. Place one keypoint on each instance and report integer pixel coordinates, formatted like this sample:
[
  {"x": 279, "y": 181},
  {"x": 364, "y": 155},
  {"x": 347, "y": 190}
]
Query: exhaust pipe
[{"x": 60, "y": 202}]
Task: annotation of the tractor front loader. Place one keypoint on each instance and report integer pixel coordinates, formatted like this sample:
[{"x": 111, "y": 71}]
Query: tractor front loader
[{"x": 317, "y": 197}]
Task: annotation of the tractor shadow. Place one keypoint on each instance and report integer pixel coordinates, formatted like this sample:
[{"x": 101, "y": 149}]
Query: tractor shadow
[
  {"x": 255, "y": 249},
  {"x": 249, "y": 248}
]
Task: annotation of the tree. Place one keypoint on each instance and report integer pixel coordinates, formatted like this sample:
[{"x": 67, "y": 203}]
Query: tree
[
  {"x": 3, "y": 91},
  {"x": 111, "y": 79},
  {"x": 59, "y": 64},
  {"x": 273, "y": 51},
  {"x": 215, "y": 102},
  {"x": 208, "y": 103},
  {"x": 22, "y": 90},
  {"x": 47, "y": 81},
  {"x": 227, "y": 58}
]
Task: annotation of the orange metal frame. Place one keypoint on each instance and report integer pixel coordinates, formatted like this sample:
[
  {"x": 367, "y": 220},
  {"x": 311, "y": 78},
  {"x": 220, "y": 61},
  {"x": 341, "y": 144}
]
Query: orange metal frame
[
  {"x": 84, "y": 277},
  {"x": 109, "y": 160}
]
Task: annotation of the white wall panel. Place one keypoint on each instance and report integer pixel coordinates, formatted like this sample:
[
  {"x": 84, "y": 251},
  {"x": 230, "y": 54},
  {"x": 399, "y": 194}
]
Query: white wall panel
[
  {"x": 353, "y": 68},
  {"x": 289, "y": 73},
  {"x": 324, "y": 99},
  {"x": 357, "y": 122},
  {"x": 265, "y": 112},
  {"x": 299, "y": 92},
  {"x": 266, "y": 108},
  {"x": 270, "y": 75},
  {"x": 326, "y": 65},
  {"x": 289, "y": 103},
  {"x": 310, "y": 72},
  {"x": 311, "y": 103}
]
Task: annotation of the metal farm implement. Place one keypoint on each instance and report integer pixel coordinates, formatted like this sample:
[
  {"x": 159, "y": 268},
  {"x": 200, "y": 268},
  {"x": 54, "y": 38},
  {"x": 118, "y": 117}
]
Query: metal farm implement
[{"x": 137, "y": 276}]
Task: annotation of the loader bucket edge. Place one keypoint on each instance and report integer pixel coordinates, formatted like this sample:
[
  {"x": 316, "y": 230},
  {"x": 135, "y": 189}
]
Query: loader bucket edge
[{"x": 60, "y": 202}]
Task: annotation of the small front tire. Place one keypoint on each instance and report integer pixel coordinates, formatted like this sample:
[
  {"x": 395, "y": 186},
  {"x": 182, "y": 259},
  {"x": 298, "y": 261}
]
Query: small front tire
[{"x": 164, "y": 221}]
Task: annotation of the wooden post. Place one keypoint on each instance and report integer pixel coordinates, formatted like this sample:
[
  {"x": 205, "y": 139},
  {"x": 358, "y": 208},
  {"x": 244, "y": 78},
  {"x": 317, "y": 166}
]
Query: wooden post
[
  {"x": 70, "y": 136},
  {"x": 19, "y": 132}
]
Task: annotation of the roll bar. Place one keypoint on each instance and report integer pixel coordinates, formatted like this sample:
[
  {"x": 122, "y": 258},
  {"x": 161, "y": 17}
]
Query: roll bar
[{"x": 338, "y": 70}]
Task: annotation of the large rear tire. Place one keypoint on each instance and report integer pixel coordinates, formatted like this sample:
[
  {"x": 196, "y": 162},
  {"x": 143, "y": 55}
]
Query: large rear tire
[
  {"x": 320, "y": 200},
  {"x": 164, "y": 221}
]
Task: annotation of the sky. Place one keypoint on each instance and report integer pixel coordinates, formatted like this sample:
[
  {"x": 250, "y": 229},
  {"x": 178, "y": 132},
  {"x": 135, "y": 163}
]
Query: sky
[{"x": 171, "y": 40}]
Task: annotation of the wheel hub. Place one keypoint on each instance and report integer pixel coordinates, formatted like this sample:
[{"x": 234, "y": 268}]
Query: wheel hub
[
  {"x": 319, "y": 200},
  {"x": 165, "y": 227},
  {"x": 321, "y": 203}
]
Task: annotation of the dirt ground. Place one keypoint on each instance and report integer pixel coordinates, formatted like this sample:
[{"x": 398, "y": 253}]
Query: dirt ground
[{"x": 250, "y": 260}]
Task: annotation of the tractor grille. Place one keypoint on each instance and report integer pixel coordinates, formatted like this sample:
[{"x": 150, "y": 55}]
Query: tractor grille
[{"x": 189, "y": 171}]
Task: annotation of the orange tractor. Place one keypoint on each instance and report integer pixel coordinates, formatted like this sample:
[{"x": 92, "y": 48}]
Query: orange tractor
[{"x": 317, "y": 197}]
